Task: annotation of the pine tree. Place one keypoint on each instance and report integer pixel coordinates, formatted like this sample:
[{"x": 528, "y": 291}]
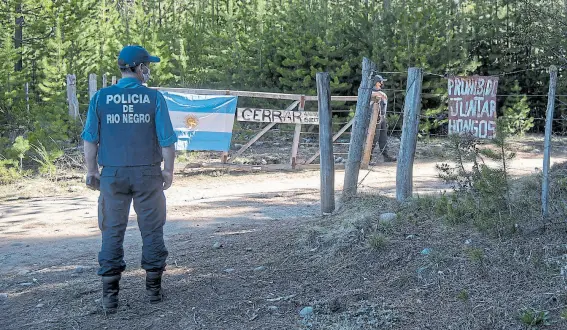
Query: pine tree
[
  {"x": 100, "y": 41},
  {"x": 517, "y": 119},
  {"x": 55, "y": 67},
  {"x": 12, "y": 103},
  {"x": 279, "y": 46}
]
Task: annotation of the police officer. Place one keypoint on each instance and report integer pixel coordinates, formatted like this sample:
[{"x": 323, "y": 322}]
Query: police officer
[
  {"x": 380, "y": 99},
  {"x": 129, "y": 130}
]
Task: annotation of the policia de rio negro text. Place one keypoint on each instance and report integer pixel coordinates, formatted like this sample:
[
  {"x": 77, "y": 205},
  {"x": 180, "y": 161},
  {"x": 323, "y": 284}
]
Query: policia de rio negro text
[{"x": 129, "y": 130}]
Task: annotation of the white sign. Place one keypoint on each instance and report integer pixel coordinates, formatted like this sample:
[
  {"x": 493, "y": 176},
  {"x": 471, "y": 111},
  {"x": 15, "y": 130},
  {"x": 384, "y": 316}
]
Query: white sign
[
  {"x": 277, "y": 116},
  {"x": 472, "y": 105}
]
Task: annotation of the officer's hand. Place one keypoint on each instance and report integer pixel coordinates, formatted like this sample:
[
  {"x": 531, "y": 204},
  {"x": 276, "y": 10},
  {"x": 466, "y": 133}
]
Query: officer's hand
[
  {"x": 95, "y": 174},
  {"x": 93, "y": 180},
  {"x": 167, "y": 179}
]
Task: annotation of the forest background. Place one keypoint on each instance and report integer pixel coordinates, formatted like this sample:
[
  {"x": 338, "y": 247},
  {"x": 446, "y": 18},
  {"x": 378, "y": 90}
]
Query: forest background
[{"x": 266, "y": 45}]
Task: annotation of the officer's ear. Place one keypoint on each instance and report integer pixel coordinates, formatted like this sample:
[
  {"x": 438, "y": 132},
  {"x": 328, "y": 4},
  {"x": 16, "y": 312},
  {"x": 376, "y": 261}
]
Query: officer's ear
[
  {"x": 145, "y": 68},
  {"x": 139, "y": 70}
]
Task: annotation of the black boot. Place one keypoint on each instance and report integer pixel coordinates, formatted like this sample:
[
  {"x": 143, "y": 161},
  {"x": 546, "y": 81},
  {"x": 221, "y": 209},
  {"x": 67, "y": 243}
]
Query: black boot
[
  {"x": 153, "y": 287},
  {"x": 110, "y": 289}
]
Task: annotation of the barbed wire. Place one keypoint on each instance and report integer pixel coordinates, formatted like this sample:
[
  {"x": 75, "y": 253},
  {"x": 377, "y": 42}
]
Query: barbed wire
[
  {"x": 448, "y": 75},
  {"x": 557, "y": 99},
  {"x": 521, "y": 71},
  {"x": 436, "y": 74},
  {"x": 500, "y": 95},
  {"x": 445, "y": 76}
]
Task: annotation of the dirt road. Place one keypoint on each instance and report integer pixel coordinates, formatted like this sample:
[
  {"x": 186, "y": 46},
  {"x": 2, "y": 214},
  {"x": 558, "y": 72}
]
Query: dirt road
[
  {"x": 38, "y": 231},
  {"x": 49, "y": 244}
]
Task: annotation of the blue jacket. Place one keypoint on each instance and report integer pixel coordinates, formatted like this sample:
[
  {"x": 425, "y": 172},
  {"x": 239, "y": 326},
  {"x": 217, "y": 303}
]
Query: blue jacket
[{"x": 130, "y": 123}]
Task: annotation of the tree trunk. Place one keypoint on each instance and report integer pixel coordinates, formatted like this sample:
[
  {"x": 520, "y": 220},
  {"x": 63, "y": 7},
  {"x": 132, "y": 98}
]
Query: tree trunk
[{"x": 18, "y": 36}]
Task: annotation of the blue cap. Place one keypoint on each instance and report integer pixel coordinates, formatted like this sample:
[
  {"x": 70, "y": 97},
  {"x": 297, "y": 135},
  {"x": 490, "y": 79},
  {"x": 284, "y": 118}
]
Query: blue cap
[
  {"x": 131, "y": 56},
  {"x": 379, "y": 78}
]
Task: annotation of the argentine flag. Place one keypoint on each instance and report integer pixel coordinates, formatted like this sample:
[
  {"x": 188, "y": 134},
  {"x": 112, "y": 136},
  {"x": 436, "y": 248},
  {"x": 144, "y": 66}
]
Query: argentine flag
[{"x": 201, "y": 122}]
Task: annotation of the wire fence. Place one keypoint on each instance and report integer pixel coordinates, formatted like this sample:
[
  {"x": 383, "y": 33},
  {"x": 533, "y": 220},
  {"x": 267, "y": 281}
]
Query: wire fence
[
  {"x": 432, "y": 147},
  {"x": 525, "y": 112},
  {"x": 275, "y": 146}
]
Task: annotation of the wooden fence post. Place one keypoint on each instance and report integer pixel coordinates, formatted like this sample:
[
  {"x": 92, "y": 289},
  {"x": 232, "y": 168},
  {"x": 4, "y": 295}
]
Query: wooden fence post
[
  {"x": 326, "y": 143},
  {"x": 72, "y": 100},
  {"x": 104, "y": 80},
  {"x": 92, "y": 85},
  {"x": 547, "y": 144},
  {"x": 297, "y": 135},
  {"x": 357, "y": 138},
  {"x": 370, "y": 136},
  {"x": 412, "y": 108}
]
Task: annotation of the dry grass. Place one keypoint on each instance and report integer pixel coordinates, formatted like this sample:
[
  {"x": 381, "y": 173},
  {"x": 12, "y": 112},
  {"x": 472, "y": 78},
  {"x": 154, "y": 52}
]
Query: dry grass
[
  {"x": 429, "y": 275},
  {"x": 419, "y": 272},
  {"x": 435, "y": 274},
  {"x": 38, "y": 187},
  {"x": 348, "y": 230}
]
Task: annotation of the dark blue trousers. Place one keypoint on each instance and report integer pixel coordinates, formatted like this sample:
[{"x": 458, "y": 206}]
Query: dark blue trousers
[{"x": 118, "y": 187}]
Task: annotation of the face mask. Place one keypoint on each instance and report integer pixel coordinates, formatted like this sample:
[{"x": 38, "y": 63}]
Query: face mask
[{"x": 145, "y": 74}]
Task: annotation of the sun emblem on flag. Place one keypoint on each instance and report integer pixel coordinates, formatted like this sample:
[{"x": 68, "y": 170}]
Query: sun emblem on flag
[{"x": 191, "y": 121}]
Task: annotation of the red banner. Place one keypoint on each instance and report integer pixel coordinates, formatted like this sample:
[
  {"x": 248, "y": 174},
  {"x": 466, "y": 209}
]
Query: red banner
[{"x": 472, "y": 106}]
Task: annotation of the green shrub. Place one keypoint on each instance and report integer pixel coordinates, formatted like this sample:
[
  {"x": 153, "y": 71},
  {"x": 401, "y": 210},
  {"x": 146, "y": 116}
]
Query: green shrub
[
  {"x": 9, "y": 171},
  {"x": 481, "y": 192},
  {"x": 532, "y": 317},
  {"x": 463, "y": 295},
  {"x": 378, "y": 241},
  {"x": 475, "y": 254},
  {"x": 517, "y": 110},
  {"x": 52, "y": 127},
  {"x": 46, "y": 160},
  {"x": 4, "y": 146},
  {"x": 19, "y": 149}
]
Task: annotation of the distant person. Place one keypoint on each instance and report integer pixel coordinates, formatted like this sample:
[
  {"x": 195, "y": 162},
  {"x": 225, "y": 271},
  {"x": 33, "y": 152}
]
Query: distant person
[
  {"x": 129, "y": 131},
  {"x": 380, "y": 99}
]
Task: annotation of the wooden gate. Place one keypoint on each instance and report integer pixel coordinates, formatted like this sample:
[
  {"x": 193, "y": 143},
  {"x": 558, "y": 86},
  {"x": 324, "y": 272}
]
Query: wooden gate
[{"x": 294, "y": 114}]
